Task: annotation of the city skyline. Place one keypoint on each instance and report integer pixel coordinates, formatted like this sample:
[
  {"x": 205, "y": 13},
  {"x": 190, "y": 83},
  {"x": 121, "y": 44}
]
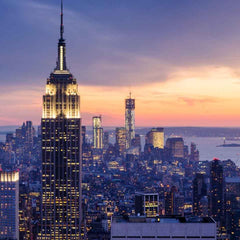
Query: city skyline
[
  {"x": 64, "y": 180},
  {"x": 179, "y": 62}
]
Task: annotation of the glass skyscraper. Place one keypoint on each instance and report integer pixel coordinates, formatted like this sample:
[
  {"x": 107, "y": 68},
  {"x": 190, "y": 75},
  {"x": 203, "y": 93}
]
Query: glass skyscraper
[{"x": 61, "y": 153}]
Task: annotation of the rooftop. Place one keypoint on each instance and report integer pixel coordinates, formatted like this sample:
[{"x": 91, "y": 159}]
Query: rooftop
[
  {"x": 146, "y": 193},
  {"x": 161, "y": 219}
]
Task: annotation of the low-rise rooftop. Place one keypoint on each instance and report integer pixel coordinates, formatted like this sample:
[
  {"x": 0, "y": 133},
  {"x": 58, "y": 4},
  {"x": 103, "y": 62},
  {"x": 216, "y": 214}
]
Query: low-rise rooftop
[{"x": 161, "y": 219}]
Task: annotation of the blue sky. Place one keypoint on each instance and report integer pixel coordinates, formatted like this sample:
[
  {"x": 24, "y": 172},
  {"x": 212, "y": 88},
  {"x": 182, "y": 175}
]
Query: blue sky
[{"x": 108, "y": 39}]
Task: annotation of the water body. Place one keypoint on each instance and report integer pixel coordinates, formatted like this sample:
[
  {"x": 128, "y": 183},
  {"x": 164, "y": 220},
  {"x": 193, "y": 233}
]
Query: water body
[{"x": 208, "y": 149}]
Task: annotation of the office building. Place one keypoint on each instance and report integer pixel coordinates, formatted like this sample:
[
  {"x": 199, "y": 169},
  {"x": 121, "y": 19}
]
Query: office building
[
  {"x": 175, "y": 146},
  {"x": 105, "y": 139},
  {"x": 179, "y": 202},
  {"x": 84, "y": 131},
  {"x": 156, "y": 138},
  {"x": 232, "y": 207},
  {"x": 194, "y": 153},
  {"x": 61, "y": 153},
  {"x": 121, "y": 139},
  {"x": 97, "y": 132},
  {"x": 30, "y": 133},
  {"x": 147, "y": 204},
  {"x": 130, "y": 119},
  {"x": 136, "y": 142},
  {"x": 199, "y": 194},
  {"x": 170, "y": 200},
  {"x": 216, "y": 204},
  {"x": 175, "y": 228},
  {"x": 9, "y": 200}
]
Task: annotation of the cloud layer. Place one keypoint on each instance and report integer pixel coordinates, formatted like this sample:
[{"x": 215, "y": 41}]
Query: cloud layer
[{"x": 180, "y": 58}]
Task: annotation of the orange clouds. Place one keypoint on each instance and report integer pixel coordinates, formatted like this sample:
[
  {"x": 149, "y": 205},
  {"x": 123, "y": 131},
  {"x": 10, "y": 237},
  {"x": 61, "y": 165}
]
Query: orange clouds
[{"x": 207, "y": 96}]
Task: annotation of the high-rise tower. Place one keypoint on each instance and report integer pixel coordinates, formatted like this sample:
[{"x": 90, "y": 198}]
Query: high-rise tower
[
  {"x": 61, "y": 152},
  {"x": 130, "y": 119},
  {"x": 199, "y": 195},
  {"x": 97, "y": 132},
  {"x": 121, "y": 137},
  {"x": 9, "y": 200},
  {"x": 216, "y": 190}
]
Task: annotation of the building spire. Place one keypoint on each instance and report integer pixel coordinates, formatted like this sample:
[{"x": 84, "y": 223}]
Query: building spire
[
  {"x": 61, "y": 62},
  {"x": 61, "y": 26}
]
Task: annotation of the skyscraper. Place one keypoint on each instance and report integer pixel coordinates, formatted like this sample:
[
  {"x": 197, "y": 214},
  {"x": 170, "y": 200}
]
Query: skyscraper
[
  {"x": 61, "y": 152},
  {"x": 9, "y": 200},
  {"x": 199, "y": 193},
  {"x": 30, "y": 132},
  {"x": 232, "y": 207},
  {"x": 176, "y": 147},
  {"x": 121, "y": 138},
  {"x": 97, "y": 132},
  {"x": 130, "y": 119},
  {"x": 156, "y": 138},
  {"x": 216, "y": 190},
  {"x": 105, "y": 140},
  {"x": 169, "y": 201}
]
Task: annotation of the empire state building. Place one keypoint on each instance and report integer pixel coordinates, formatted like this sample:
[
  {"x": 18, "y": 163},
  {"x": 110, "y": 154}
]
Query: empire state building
[{"x": 61, "y": 152}]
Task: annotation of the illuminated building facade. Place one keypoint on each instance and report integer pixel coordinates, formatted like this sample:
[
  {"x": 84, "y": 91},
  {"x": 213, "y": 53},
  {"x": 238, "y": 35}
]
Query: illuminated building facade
[
  {"x": 121, "y": 139},
  {"x": 156, "y": 138},
  {"x": 97, "y": 132},
  {"x": 24, "y": 232},
  {"x": 61, "y": 153},
  {"x": 147, "y": 204},
  {"x": 232, "y": 206},
  {"x": 130, "y": 119},
  {"x": 169, "y": 201},
  {"x": 9, "y": 199},
  {"x": 29, "y": 212}
]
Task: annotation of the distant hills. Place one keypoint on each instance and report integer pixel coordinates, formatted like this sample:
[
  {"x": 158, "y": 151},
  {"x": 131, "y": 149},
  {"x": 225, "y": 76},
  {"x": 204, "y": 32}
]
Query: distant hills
[
  {"x": 178, "y": 131},
  {"x": 197, "y": 131}
]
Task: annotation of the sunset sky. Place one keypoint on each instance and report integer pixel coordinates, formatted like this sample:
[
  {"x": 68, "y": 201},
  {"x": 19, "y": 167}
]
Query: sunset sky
[{"x": 180, "y": 59}]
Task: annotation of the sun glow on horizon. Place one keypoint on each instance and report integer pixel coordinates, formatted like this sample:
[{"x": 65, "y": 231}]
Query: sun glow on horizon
[{"x": 201, "y": 96}]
